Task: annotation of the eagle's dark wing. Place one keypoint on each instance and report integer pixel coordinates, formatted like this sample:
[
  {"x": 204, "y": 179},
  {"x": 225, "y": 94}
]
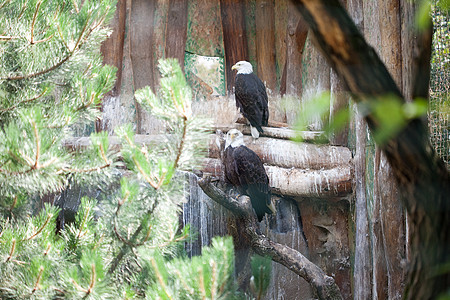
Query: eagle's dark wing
[
  {"x": 253, "y": 179},
  {"x": 229, "y": 163},
  {"x": 251, "y": 99}
]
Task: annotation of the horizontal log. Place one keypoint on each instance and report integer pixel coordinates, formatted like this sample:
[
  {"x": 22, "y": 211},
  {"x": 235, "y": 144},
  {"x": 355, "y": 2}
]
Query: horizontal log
[
  {"x": 114, "y": 141},
  {"x": 282, "y": 153},
  {"x": 289, "y": 154},
  {"x": 277, "y": 132},
  {"x": 270, "y": 123},
  {"x": 335, "y": 182}
]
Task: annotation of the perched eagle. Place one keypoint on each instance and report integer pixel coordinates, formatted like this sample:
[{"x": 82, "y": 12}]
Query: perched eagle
[
  {"x": 245, "y": 171},
  {"x": 251, "y": 97}
]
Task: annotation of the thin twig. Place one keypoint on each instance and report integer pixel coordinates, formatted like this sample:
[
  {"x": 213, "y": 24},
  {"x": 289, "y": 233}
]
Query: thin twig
[
  {"x": 93, "y": 279},
  {"x": 38, "y": 5},
  {"x": 78, "y": 286},
  {"x": 11, "y": 252},
  {"x": 49, "y": 216},
  {"x": 38, "y": 145},
  {"x": 160, "y": 279},
  {"x": 24, "y": 101},
  {"x": 4, "y": 3},
  {"x": 38, "y": 280},
  {"x": 201, "y": 283}
]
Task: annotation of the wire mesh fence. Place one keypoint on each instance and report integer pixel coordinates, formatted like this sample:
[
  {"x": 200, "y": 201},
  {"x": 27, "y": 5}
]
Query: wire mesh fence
[{"x": 440, "y": 84}]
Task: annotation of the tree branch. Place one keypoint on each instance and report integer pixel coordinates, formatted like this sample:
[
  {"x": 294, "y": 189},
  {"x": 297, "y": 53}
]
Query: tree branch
[
  {"x": 323, "y": 285},
  {"x": 422, "y": 176}
]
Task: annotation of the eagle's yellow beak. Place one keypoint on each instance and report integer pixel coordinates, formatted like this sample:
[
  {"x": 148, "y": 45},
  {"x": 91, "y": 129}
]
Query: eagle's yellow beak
[{"x": 234, "y": 67}]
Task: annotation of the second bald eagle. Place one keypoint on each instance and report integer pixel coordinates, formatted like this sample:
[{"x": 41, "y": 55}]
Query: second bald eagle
[
  {"x": 251, "y": 97},
  {"x": 245, "y": 171}
]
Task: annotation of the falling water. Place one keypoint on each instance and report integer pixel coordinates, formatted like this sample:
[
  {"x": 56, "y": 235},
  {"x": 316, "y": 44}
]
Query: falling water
[{"x": 208, "y": 219}]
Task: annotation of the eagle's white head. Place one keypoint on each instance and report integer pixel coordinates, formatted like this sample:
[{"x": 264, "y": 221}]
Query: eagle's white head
[
  {"x": 243, "y": 67},
  {"x": 234, "y": 138}
]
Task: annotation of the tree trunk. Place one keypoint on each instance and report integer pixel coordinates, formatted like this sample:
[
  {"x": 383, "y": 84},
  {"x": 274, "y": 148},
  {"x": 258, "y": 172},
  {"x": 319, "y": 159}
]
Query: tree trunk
[
  {"x": 234, "y": 36},
  {"x": 176, "y": 30},
  {"x": 421, "y": 175},
  {"x": 141, "y": 40},
  {"x": 265, "y": 42}
]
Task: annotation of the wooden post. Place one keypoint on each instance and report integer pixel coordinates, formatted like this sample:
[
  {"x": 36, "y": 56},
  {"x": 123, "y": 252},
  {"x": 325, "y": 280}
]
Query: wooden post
[
  {"x": 265, "y": 42},
  {"x": 392, "y": 211},
  {"x": 112, "y": 48},
  {"x": 176, "y": 30},
  {"x": 112, "y": 51},
  {"x": 141, "y": 54},
  {"x": 297, "y": 32},
  {"x": 234, "y": 36}
]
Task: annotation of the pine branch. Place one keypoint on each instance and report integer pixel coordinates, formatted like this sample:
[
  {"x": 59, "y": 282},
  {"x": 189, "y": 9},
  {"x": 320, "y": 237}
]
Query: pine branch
[
  {"x": 159, "y": 277},
  {"x": 323, "y": 285},
  {"x": 82, "y": 38},
  {"x": 49, "y": 217},
  {"x": 38, "y": 280},
  {"x": 24, "y": 101},
  {"x": 38, "y": 5}
]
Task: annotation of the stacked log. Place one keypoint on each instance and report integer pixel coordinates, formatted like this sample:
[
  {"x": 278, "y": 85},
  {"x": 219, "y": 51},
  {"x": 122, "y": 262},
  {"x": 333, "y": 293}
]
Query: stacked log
[{"x": 296, "y": 169}]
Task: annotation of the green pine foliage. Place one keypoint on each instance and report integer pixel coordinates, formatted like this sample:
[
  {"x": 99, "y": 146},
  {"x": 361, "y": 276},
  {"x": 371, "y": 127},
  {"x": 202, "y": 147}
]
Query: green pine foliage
[
  {"x": 51, "y": 81},
  {"x": 128, "y": 244},
  {"x": 261, "y": 270}
]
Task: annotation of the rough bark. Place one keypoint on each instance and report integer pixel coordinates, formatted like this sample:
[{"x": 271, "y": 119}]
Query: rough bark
[
  {"x": 421, "y": 175},
  {"x": 362, "y": 267},
  {"x": 297, "y": 32},
  {"x": 265, "y": 42},
  {"x": 392, "y": 219},
  {"x": 141, "y": 40},
  {"x": 112, "y": 48},
  {"x": 234, "y": 36},
  {"x": 323, "y": 285},
  {"x": 112, "y": 51},
  {"x": 176, "y": 30}
]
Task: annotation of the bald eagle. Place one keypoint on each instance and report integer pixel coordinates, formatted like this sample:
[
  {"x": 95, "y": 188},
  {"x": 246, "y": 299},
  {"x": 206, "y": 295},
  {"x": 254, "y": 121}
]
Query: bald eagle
[
  {"x": 251, "y": 97},
  {"x": 245, "y": 171}
]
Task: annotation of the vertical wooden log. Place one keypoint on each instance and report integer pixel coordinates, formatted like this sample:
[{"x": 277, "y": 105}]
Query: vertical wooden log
[
  {"x": 265, "y": 42},
  {"x": 159, "y": 36},
  {"x": 112, "y": 51},
  {"x": 112, "y": 48},
  {"x": 234, "y": 36},
  {"x": 380, "y": 277},
  {"x": 297, "y": 32},
  {"x": 141, "y": 41},
  {"x": 281, "y": 18},
  {"x": 392, "y": 211},
  {"x": 338, "y": 102},
  {"x": 176, "y": 30},
  {"x": 390, "y": 38},
  {"x": 363, "y": 263}
]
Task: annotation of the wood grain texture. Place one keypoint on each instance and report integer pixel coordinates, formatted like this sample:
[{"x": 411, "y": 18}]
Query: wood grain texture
[
  {"x": 234, "y": 36},
  {"x": 296, "y": 34},
  {"x": 141, "y": 41},
  {"x": 265, "y": 42},
  {"x": 112, "y": 48},
  {"x": 176, "y": 29}
]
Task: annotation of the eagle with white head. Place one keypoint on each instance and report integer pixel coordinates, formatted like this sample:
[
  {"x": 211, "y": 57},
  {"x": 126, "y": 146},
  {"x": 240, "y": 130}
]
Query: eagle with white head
[
  {"x": 251, "y": 97},
  {"x": 245, "y": 171}
]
